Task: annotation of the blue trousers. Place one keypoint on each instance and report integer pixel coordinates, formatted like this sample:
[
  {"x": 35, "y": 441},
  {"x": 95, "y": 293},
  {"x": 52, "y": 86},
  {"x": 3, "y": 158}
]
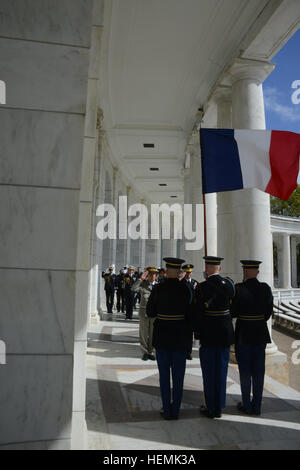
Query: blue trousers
[
  {"x": 173, "y": 361},
  {"x": 214, "y": 364},
  {"x": 251, "y": 362}
]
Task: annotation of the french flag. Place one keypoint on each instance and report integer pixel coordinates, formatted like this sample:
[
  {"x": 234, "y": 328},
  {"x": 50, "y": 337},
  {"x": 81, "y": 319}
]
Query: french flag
[{"x": 238, "y": 159}]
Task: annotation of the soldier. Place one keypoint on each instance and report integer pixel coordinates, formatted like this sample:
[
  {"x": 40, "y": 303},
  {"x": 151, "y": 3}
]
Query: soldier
[
  {"x": 161, "y": 275},
  {"x": 252, "y": 306},
  {"x": 144, "y": 286},
  {"x": 109, "y": 287},
  {"x": 129, "y": 279},
  {"x": 213, "y": 327},
  {"x": 191, "y": 284},
  {"x": 169, "y": 304},
  {"x": 120, "y": 291},
  {"x": 137, "y": 295}
]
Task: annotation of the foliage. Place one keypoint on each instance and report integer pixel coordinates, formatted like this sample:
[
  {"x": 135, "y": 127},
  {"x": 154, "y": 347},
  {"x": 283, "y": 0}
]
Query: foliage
[{"x": 290, "y": 208}]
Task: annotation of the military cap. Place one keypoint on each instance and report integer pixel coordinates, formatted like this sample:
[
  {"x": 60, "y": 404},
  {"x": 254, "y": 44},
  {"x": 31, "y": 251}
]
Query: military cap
[
  {"x": 130, "y": 268},
  {"x": 250, "y": 264},
  {"x": 188, "y": 268},
  {"x": 174, "y": 263},
  {"x": 214, "y": 260},
  {"x": 152, "y": 269}
]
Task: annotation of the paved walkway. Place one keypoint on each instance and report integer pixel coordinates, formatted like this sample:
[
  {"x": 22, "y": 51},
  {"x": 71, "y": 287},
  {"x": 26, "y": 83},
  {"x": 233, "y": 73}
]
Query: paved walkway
[{"x": 123, "y": 402}]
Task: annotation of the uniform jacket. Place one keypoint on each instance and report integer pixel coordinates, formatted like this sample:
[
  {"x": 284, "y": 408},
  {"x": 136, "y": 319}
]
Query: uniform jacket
[
  {"x": 191, "y": 285},
  {"x": 110, "y": 281},
  {"x": 169, "y": 304},
  {"x": 145, "y": 289},
  {"x": 211, "y": 312},
  {"x": 252, "y": 306},
  {"x": 128, "y": 282}
]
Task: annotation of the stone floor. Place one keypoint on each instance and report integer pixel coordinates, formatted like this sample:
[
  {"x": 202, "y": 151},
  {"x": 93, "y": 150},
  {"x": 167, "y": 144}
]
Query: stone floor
[{"x": 123, "y": 402}]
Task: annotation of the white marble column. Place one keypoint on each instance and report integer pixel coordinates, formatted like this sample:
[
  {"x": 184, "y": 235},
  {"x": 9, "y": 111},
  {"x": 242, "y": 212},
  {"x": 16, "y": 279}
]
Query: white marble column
[
  {"x": 294, "y": 261},
  {"x": 286, "y": 261},
  {"x": 193, "y": 195},
  {"x": 251, "y": 207},
  {"x": 113, "y": 242},
  {"x": 128, "y": 240},
  {"x": 222, "y": 97}
]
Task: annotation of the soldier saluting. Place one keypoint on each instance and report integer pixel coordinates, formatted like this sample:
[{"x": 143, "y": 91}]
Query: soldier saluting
[
  {"x": 109, "y": 287},
  {"x": 252, "y": 306},
  {"x": 213, "y": 327}
]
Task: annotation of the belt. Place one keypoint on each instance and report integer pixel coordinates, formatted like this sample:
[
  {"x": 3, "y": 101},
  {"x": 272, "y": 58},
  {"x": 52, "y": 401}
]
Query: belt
[
  {"x": 216, "y": 313},
  {"x": 251, "y": 317},
  {"x": 170, "y": 317}
]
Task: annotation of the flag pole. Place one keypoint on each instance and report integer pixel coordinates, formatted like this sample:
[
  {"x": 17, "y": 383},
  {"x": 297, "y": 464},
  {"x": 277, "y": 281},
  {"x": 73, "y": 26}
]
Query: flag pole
[{"x": 203, "y": 195}]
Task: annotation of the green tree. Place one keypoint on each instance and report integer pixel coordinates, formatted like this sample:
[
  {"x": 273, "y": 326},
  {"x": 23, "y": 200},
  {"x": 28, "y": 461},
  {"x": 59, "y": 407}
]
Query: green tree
[{"x": 290, "y": 208}]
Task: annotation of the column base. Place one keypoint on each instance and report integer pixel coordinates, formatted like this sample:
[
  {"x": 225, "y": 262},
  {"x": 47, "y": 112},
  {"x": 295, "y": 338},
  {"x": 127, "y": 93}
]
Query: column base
[{"x": 94, "y": 318}]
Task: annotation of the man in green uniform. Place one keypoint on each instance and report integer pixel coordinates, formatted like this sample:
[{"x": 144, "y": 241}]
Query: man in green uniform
[{"x": 144, "y": 286}]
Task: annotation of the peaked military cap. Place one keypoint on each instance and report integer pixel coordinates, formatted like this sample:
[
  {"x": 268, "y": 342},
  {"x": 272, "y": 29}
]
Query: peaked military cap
[
  {"x": 152, "y": 269},
  {"x": 250, "y": 264},
  {"x": 130, "y": 268},
  {"x": 188, "y": 268},
  {"x": 214, "y": 260},
  {"x": 174, "y": 263}
]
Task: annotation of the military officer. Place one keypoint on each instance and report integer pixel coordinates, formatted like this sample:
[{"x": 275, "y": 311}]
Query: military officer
[
  {"x": 213, "y": 327},
  {"x": 169, "y": 304},
  {"x": 109, "y": 287},
  {"x": 120, "y": 291},
  {"x": 129, "y": 280},
  {"x": 144, "y": 286},
  {"x": 191, "y": 284},
  {"x": 252, "y": 306}
]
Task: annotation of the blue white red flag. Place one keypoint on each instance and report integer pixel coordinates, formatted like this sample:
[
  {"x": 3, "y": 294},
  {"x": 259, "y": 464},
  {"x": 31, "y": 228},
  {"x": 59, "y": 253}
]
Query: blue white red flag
[{"x": 238, "y": 159}]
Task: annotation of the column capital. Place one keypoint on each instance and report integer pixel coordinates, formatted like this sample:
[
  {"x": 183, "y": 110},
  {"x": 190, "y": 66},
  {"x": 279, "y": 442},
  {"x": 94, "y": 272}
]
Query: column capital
[
  {"x": 185, "y": 172},
  {"x": 222, "y": 93},
  {"x": 246, "y": 69}
]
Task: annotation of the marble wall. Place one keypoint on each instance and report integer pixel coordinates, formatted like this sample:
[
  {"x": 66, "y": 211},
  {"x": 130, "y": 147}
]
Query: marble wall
[{"x": 44, "y": 60}]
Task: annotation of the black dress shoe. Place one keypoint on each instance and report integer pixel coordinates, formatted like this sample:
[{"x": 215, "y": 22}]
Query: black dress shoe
[
  {"x": 205, "y": 412},
  {"x": 241, "y": 408},
  {"x": 145, "y": 357},
  {"x": 189, "y": 357},
  {"x": 151, "y": 357},
  {"x": 218, "y": 414}
]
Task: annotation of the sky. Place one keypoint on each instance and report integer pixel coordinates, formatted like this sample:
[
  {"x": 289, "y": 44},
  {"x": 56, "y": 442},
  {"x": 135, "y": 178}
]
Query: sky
[{"x": 281, "y": 112}]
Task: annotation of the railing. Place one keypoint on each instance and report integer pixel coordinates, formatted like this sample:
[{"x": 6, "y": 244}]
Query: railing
[{"x": 287, "y": 308}]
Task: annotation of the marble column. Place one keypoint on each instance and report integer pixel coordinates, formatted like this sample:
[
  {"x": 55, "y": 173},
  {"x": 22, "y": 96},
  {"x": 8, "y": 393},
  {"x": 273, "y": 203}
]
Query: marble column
[
  {"x": 47, "y": 137},
  {"x": 222, "y": 97},
  {"x": 193, "y": 195},
  {"x": 286, "y": 261},
  {"x": 294, "y": 261},
  {"x": 251, "y": 207}
]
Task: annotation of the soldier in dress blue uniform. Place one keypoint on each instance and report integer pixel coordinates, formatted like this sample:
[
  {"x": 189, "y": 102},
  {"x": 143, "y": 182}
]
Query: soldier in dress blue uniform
[
  {"x": 213, "y": 327},
  {"x": 129, "y": 279},
  {"x": 109, "y": 287},
  {"x": 252, "y": 306},
  {"x": 191, "y": 284},
  {"x": 169, "y": 304}
]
